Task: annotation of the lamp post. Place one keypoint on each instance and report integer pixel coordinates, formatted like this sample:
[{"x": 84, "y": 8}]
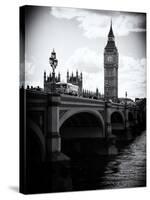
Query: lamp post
[{"x": 53, "y": 63}]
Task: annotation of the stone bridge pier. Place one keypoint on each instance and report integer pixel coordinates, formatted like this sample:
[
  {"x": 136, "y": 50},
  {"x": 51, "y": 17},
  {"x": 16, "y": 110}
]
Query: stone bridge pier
[
  {"x": 131, "y": 123},
  {"x": 53, "y": 139},
  {"x": 108, "y": 125}
]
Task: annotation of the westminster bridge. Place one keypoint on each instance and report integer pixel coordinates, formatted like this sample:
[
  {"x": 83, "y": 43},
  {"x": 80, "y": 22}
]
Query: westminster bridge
[{"x": 55, "y": 121}]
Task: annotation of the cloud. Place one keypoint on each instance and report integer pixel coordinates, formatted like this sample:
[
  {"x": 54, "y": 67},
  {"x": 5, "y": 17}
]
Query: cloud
[
  {"x": 66, "y": 13},
  {"x": 96, "y": 24},
  {"x": 93, "y": 81},
  {"x": 90, "y": 63},
  {"x": 86, "y": 60},
  {"x": 132, "y": 76}
]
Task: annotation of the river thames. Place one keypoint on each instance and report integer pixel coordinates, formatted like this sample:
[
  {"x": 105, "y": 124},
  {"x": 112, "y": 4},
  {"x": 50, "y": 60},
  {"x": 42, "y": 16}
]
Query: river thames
[{"x": 125, "y": 170}]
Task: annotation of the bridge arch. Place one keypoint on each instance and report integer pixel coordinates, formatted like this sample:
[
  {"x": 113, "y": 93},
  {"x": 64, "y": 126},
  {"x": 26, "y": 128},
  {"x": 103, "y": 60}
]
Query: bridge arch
[
  {"x": 117, "y": 119},
  {"x": 73, "y": 112},
  {"x": 81, "y": 131},
  {"x": 36, "y": 141}
]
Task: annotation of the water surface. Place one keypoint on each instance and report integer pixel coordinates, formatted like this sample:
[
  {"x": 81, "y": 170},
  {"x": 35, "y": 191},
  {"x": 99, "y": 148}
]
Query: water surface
[{"x": 127, "y": 169}]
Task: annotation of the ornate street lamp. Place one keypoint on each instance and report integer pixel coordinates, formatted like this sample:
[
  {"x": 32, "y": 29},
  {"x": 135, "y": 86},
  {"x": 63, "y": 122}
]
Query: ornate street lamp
[{"x": 53, "y": 63}]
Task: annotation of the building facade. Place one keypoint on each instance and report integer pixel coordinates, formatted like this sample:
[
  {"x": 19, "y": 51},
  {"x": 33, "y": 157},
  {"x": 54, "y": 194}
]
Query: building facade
[
  {"x": 111, "y": 68},
  {"x": 76, "y": 80},
  {"x": 48, "y": 81}
]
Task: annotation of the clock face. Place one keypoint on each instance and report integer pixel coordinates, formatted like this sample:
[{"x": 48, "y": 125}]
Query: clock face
[{"x": 109, "y": 58}]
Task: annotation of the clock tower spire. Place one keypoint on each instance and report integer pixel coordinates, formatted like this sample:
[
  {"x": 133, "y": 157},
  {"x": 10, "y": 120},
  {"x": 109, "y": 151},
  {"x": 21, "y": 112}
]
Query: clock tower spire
[{"x": 111, "y": 67}]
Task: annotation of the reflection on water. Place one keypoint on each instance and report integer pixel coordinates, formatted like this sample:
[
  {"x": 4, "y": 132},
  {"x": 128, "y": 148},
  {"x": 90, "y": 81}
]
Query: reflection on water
[{"x": 127, "y": 169}]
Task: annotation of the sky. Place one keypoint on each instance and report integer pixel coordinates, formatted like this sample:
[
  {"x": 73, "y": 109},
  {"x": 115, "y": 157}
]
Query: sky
[{"x": 79, "y": 37}]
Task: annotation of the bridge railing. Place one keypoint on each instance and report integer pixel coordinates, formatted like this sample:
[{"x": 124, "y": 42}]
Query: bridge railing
[
  {"x": 34, "y": 92},
  {"x": 76, "y": 99}
]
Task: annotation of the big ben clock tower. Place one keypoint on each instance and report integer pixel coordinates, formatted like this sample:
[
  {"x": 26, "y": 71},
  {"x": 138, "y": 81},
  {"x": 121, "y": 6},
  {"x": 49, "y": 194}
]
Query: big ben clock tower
[{"x": 111, "y": 68}]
